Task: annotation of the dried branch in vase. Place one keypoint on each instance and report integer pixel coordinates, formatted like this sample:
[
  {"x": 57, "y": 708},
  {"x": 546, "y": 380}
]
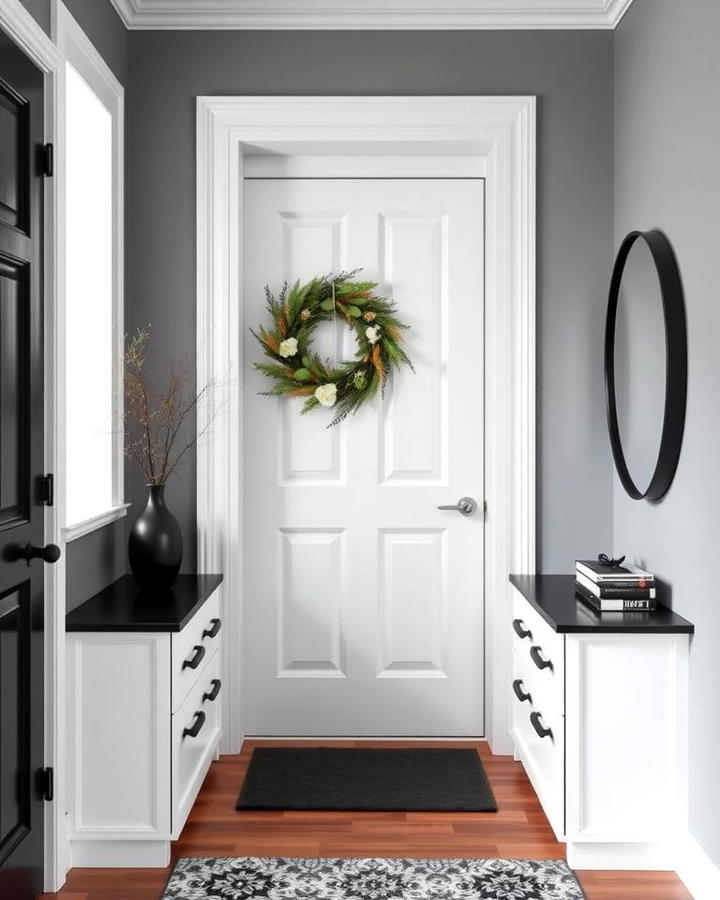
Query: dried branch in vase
[{"x": 158, "y": 424}]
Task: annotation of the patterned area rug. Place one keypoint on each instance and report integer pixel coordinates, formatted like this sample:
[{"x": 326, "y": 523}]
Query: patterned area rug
[{"x": 255, "y": 878}]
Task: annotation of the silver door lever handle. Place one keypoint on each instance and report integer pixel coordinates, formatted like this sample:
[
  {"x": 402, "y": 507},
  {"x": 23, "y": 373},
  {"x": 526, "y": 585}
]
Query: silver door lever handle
[{"x": 466, "y": 506}]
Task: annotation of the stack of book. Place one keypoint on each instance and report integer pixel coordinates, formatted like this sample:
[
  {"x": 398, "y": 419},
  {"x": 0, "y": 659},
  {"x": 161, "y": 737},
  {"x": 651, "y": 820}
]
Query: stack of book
[{"x": 616, "y": 588}]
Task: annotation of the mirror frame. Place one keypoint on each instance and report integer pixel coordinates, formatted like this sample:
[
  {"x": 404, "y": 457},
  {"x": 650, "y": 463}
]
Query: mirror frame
[{"x": 675, "y": 364}]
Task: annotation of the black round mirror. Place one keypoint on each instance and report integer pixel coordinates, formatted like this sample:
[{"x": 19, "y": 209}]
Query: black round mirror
[{"x": 646, "y": 364}]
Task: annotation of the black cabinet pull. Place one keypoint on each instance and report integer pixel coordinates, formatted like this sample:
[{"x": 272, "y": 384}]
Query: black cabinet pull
[
  {"x": 212, "y": 694},
  {"x": 519, "y": 692},
  {"x": 541, "y": 730},
  {"x": 196, "y": 727},
  {"x": 195, "y": 659},
  {"x": 537, "y": 658},
  {"x": 215, "y": 626},
  {"x": 520, "y": 630}
]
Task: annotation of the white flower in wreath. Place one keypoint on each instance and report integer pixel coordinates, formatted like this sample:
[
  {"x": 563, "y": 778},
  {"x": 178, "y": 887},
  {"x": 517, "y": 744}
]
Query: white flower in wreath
[
  {"x": 288, "y": 347},
  {"x": 373, "y": 334},
  {"x": 326, "y": 394}
]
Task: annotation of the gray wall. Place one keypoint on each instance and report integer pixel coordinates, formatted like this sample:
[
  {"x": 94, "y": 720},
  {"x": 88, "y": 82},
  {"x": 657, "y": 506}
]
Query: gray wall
[
  {"x": 667, "y": 134},
  {"x": 570, "y": 72},
  {"x": 40, "y": 9},
  {"x": 99, "y": 21}
]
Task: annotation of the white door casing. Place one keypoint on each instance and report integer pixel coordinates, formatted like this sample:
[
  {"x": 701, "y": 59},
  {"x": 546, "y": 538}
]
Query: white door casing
[
  {"x": 364, "y": 602},
  {"x": 499, "y": 133}
]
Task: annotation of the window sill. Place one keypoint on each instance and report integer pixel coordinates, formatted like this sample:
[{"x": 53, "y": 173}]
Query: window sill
[{"x": 72, "y": 532}]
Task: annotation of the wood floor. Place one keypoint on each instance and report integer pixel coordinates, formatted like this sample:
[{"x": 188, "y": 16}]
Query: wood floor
[{"x": 518, "y": 829}]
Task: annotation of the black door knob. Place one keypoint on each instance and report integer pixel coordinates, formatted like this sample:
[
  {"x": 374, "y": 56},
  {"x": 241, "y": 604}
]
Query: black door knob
[{"x": 50, "y": 553}]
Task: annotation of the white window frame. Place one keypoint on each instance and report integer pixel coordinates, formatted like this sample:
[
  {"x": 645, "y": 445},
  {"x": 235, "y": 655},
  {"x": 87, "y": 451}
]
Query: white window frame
[{"x": 76, "y": 49}]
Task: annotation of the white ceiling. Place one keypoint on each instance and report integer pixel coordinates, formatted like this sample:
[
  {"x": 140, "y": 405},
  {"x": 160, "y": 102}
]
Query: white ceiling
[{"x": 370, "y": 14}]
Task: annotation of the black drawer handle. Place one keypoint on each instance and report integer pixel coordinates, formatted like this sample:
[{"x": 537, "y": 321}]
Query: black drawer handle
[
  {"x": 215, "y": 626},
  {"x": 520, "y": 630},
  {"x": 519, "y": 692},
  {"x": 541, "y": 730},
  {"x": 196, "y": 727},
  {"x": 195, "y": 659},
  {"x": 537, "y": 658},
  {"x": 212, "y": 694}
]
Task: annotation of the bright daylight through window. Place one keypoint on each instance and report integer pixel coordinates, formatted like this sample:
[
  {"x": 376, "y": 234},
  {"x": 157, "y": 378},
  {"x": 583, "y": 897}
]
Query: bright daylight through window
[{"x": 89, "y": 327}]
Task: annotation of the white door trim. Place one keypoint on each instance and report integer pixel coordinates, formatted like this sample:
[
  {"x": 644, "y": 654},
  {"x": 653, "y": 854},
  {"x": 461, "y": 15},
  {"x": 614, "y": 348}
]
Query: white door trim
[
  {"x": 17, "y": 22},
  {"x": 501, "y": 130}
]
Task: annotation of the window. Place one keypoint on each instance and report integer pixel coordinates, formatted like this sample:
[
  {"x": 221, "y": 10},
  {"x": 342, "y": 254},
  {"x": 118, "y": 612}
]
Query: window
[{"x": 90, "y": 155}]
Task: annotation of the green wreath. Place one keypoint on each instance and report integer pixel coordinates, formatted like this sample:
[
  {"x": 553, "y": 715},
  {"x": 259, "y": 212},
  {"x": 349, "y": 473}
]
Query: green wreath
[{"x": 298, "y": 372}]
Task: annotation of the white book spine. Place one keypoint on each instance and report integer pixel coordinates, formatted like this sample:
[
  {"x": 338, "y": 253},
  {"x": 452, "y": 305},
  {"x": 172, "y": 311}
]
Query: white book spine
[
  {"x": 637, "y": 575},
  {"x": 595, "y": 588}
]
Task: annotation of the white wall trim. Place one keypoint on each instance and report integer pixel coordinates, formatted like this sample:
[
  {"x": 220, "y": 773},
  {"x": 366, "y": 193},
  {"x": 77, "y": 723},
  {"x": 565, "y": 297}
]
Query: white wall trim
[
  {"x": 350, "y": 15},
  {"x": 73, "y": 532},
  {"x": 697, "y": 871},
  {"x": 502, "y": 131},
  {"x": 66, "y": 29}
]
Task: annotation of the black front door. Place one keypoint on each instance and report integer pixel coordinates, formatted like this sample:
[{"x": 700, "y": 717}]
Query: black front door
[{"x": 21, "y": 461}]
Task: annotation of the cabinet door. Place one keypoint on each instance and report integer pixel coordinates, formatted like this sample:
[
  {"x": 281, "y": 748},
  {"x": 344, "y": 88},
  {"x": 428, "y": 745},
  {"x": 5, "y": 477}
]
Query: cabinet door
[
  {"x": 119, "y": 702},
  {"x": 625, "y": 733}
]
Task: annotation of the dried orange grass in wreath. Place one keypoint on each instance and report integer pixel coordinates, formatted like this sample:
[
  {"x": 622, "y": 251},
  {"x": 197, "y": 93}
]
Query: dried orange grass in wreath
[{"x": 299, "y": 372}]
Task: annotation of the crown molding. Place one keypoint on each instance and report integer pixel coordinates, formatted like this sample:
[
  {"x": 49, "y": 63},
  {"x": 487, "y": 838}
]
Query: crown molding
[{"x": 358, "y": 15}]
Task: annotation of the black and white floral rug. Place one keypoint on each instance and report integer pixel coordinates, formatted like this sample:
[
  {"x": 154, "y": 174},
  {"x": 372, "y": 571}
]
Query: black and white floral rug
[{"x": 256, "y": 878}]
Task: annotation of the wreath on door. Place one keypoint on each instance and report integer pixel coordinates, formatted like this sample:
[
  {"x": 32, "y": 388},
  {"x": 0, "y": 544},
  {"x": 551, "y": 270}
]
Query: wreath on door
[{"x": 297, "y": 371}]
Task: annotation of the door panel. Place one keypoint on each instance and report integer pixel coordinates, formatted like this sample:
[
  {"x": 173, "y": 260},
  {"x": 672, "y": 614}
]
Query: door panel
[
  {"x": 15, "y": 795},
  {"x": 364, "y": 603},
  {"x": 14, "y": 391},
  {"x": 14, "y": 130},
  {"x": 21, "y": 463}
]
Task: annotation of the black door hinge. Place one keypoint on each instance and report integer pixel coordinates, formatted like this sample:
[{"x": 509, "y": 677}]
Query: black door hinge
[
  {"x": 46, "y": 160},
  {"x": 48, "y": 784},
  {"x": 47, "y": 490}
]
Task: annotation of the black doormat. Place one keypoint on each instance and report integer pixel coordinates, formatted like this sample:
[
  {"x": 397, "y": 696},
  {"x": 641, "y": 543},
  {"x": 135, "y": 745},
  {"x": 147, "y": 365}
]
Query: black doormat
[
  {"x": 339, "y": 778},
  {"x": 254, "y": 878}
]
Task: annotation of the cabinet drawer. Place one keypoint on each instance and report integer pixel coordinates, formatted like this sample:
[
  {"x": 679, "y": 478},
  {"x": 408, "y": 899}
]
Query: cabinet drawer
[
  {"x": 195, "y": 734},
  {"x": 539, "y": 657},
  {"x": 193, "y": 647},
  {"x": 542, "y": 755}
]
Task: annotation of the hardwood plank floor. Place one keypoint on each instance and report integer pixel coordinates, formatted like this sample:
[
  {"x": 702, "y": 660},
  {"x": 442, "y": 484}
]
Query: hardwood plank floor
[{"x": 215, "y": 828}]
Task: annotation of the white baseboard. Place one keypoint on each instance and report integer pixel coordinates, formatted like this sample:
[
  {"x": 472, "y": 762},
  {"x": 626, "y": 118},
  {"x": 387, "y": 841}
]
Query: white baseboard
[
  {"x": 626, "y": 856},
  {"x": 697, "y": 871},
  {"x": 120, "y": 854}
]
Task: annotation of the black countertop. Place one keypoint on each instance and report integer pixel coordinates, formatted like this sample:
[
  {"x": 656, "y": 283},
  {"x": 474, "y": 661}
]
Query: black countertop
[
  {"x": 553, "y": 596},
  {"x": 123, "y": 607}
]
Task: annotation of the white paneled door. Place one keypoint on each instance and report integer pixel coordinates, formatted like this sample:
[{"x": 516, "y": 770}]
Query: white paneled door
[{"x": 363, "y": 600}]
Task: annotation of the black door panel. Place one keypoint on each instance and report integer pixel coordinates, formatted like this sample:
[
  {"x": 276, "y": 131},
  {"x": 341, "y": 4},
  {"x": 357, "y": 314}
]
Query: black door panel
[
  {"x": 21, "y": 462},
  {"x": 14, "y": 140}
]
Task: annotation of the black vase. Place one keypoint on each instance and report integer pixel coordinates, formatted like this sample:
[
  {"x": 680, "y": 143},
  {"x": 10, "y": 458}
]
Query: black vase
[{"x": 155, "y": 546}]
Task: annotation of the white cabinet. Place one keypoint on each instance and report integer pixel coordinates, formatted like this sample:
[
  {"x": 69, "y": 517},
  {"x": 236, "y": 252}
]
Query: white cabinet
[
  {"x": 600, "y": 725},
  {"x": 144, "y": 719}
]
